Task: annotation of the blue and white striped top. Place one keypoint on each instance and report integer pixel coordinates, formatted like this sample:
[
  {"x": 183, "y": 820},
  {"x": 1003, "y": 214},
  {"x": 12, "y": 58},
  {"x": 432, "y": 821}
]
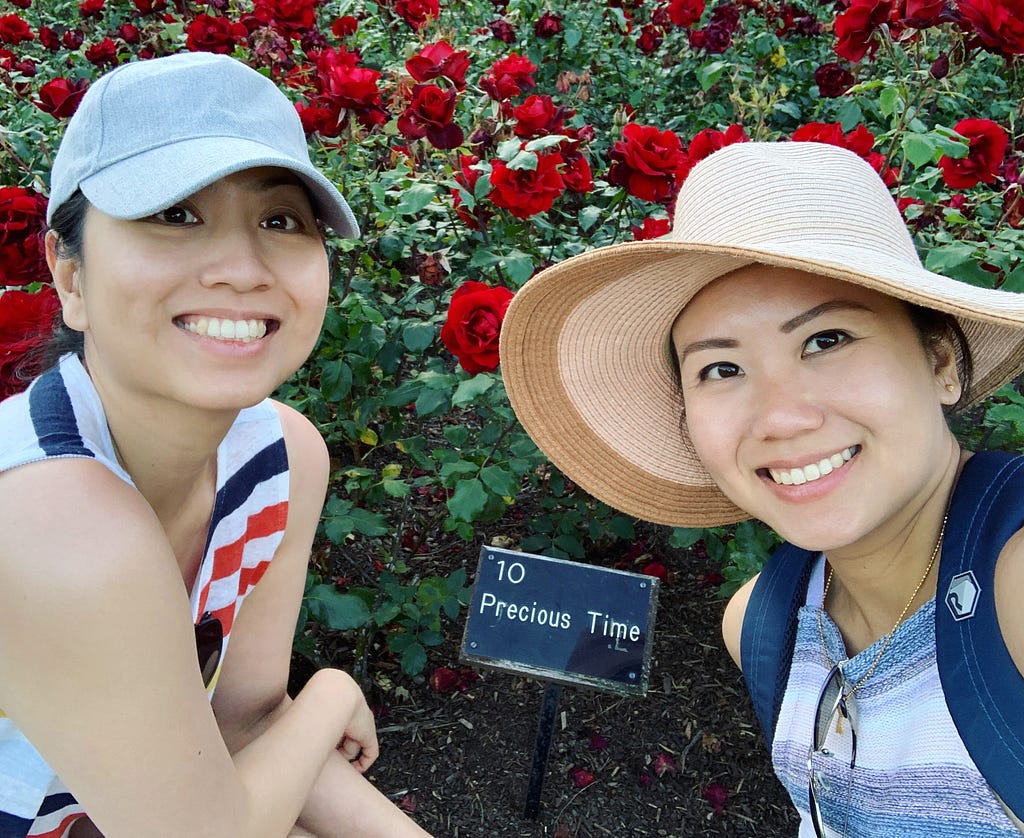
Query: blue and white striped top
[{"x": 913, "y": 775}]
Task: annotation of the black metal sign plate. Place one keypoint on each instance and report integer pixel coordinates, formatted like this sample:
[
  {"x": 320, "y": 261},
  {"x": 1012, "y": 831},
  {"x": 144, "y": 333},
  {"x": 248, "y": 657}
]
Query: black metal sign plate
[{"x": 562, "y": 621}]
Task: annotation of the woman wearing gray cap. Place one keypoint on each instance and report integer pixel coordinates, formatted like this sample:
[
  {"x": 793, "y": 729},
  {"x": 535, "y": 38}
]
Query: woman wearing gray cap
[{"x": 155, "y": 504}]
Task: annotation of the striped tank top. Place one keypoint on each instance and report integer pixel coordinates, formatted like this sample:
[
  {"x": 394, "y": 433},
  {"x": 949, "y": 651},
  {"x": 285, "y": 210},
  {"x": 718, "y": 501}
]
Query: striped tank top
[
  {"x": 913, "y": 775},
  {"x": 60, "y": 415}
]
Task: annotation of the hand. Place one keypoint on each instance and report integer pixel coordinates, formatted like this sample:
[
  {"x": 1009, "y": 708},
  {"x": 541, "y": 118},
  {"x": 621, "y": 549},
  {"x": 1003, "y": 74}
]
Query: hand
[{"x": 359, "y": 744}]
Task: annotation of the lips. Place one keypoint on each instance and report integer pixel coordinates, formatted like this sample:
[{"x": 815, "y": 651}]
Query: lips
[{"x": 813, "y": 471}]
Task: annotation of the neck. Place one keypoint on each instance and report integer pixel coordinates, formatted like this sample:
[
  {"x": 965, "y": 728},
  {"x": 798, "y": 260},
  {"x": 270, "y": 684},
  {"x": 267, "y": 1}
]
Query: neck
[{"x": 873, "y": 581}]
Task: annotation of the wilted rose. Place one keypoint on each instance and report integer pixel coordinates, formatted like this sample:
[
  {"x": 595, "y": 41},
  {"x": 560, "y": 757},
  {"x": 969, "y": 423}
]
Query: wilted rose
[
  {"x": 986, "y": 146},
  {"x": 471, "y": 330},
  {"x": 548, "y": 25},
  {"x": 581, "y": 778}
]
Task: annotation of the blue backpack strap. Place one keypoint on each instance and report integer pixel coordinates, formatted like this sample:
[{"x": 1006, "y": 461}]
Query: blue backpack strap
[
  {"x": 983, "y": 688},
  {"x": 769, "y": 630}
]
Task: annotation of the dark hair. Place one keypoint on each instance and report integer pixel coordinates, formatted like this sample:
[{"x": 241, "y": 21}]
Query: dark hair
[{"x": 68, "y": 223}]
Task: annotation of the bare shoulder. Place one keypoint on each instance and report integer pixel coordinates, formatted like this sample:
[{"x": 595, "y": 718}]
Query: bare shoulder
[
  {"x": 732, "y": 620},
  {"x": 1009, "y": 582},
  {"x": 307, "y": 451}
]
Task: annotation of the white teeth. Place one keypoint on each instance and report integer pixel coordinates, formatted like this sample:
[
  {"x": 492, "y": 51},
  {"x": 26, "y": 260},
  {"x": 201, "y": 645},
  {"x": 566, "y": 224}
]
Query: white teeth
[
  {"x": 813, "y": 471},
  {"x": 245, "y": 331}
]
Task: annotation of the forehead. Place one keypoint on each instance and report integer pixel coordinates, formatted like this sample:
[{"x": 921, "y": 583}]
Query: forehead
[
  {"x": 765, "y": 292},
  {"x": 260, "y": 179}
]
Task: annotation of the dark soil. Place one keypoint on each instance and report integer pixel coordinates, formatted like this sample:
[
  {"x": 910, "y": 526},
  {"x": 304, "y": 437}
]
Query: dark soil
[{"x": 460, "y": 762}]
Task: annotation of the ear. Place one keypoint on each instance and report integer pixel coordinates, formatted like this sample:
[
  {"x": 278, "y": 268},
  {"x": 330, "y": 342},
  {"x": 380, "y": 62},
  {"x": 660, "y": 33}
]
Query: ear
[
  {"x": 947, "y": 376},
  {"x": 67, "y": 281}
]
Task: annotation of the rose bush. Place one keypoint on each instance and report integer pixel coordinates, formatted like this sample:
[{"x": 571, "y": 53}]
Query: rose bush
[{"x": 479, "y": 142}]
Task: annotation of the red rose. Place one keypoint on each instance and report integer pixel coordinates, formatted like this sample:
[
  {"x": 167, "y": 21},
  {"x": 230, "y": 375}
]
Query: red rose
[
  {"x": 471, "y": 330},
  {"x": 103, "y": 53},
  {"x": 13, "y": 30},
  {"x": 647, "y": 162},
  {"x": 60, "y": 97},
  {"x": 833, "y": 80},
  {"x": 22, "y": 223},
  {"x": 502, "y": 30},
  {"x": 538, "y": 116},
  {"x": 417, "y": 12},
  {"x": 430, "y": 115},
  {"x": 650, "y": 39},
  {"x": 855, "y": 28},
  {"x": 48, "y": 38},
  {"x": 525, "y": 192},
  {"x": 72, "y": 39},
  {"x": 508, "y": 77},
  {"x": 344, "y": 85},
  {"x": 291, "y": 18},
  {"x": 685, "y": 12},
  {"x": 710, "y": 140},
  {"x": 987, "y": 145},
  {"x": 652, "y": 228},
  {"x": 129, "y": 33},
  {"x": 547, "y": 26},
  {"x": 920, "y": 14},
  {"x": 344, "y": 26},
  {"x": 26, "y": 323},
  {"x": 146, "y": 7},
  {"x": 91, "y": 8},
  {"x": 860, "y": 140},
  {"x": 439, "y": 60},
  {"x": 576, "y": 172},
  {"x": 999, "y": 24},
  {"x": 206, "y": 33}
]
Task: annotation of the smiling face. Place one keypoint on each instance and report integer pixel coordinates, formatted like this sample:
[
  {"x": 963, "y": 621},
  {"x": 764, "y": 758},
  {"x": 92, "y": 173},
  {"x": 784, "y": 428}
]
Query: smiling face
[
  {"x": 213, "y": 302},
  {"x": 814, "y": 404}
]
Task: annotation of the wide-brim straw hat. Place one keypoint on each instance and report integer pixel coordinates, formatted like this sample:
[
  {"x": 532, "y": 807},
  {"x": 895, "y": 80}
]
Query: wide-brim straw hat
[{"x": 585, "y": 344}]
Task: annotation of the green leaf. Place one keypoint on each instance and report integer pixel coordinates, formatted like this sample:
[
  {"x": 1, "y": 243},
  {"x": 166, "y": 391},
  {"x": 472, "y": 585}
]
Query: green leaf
[
  {"x": 338, "y": 611},
  {"x": 414, "y": 659},
  {"x": 589, "y": 216},
  {"x": 919, "y": 149},
  {"x": 418, "y": 336},
  {"x": 415, "y": 198},
  {"x": 500, "y": 481},
  {"x": 524, "y": 161},
  {"x": 710, "y": 73},
  {"x": 335, "y": 380},
  {"x": 890, "y": 101},
  {"x": 468, "y": 500},
  {"x": 431, "y": 402},
  {"x": 519, "y": 266},
  {"x": 470, "y": 389},
  {"x": 683, "y": 537}
]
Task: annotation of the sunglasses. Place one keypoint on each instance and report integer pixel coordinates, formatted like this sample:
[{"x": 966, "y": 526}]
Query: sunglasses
[
  {"x": 835, "y": 716},
  {"x": 209, "y": 643}
]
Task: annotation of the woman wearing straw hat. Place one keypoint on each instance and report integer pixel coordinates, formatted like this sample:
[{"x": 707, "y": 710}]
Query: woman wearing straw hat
[
  {"x": 783, "y": 355},
  {"x": 155, "y": 504}
]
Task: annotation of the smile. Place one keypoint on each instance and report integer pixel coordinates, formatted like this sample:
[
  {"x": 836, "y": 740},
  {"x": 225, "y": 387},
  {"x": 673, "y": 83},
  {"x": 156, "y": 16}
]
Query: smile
[
  {"x": 813, "y": 471},
  {"x": 218, "y": 328}
]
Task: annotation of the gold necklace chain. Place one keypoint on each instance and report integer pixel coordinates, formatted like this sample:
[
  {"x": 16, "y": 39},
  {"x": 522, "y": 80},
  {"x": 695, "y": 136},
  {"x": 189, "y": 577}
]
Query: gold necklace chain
[{"x": 903, "y": 613}]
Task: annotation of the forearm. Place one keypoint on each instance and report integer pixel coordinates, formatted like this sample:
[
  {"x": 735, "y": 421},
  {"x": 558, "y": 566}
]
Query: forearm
[{"x": 344, "y": 803}]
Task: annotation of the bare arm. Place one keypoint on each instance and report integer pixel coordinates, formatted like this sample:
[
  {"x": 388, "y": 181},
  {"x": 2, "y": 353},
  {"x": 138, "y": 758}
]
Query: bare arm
[
  {"x": 98, "y": 668},
  {"x": 732, "y": 620},
  {"x": 1009, "y": 582}
]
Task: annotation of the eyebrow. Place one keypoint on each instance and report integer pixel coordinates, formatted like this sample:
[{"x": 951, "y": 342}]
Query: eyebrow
[{"x": 785, "y": 328}]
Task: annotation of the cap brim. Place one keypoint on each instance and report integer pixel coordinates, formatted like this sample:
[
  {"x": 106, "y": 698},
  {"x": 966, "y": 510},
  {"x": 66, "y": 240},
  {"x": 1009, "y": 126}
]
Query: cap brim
[
  {"x": 587, "y": 366},
  {"x": 155, "y": 179}
]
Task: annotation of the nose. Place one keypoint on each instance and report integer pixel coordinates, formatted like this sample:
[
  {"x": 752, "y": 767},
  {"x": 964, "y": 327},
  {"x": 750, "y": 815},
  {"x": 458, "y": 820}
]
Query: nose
[
  {"x": 234, "y": 258},
  {"x": 784, "y": 407}
]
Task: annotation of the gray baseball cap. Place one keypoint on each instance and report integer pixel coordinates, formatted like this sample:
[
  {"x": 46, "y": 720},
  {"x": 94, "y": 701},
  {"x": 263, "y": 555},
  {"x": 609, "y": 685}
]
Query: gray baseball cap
[{"x": 150, "y": 133}]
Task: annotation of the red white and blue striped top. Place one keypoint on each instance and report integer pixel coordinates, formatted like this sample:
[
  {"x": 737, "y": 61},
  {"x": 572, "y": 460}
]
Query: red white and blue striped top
[{"x": 60, "y": 415}]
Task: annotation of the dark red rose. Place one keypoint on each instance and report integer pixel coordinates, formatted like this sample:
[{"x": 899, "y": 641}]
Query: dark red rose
[
  {"x": 439, "y": 59},
  {"x": 652, "y": 228},
  {"x": 430, "y": 115},
  {"x": 91, "y": 8},
  {"x": 509, "y": 77},
  {"x": 987, "y": 146},
  {"x": 647, "y": 162},
  {"x": 940, "y": 66},
  {"x": 49, "y": 38},
  {"x": 711, "y": 139},
  {"x": 855, "y": 28},
  {"x": 685, "y": 12},
  {"x": 206, "y": 33},
  {"x": 129, "y": 33},
  {"x": 26, "y": 323},
  {"x": 467, "y": 177},
  {"x": 146, "y": 7},
  {"x": 27, "y": 67},
  {"x": 417, "y": 12},
  {"x": 502, "y": 30},
  {"x": 21, "y": 4},
  {"x": 859, "y": 140},
  {"x": 22, "y": 224},
  {"x": 650, "y": 39},
  {"x": 538, "y": 116},
  {"x": 920, "y": 14},
  {"x": 999, "y": 24},
  {"x": 525, "y": 192},
  {"x": 473, "y": 325},
  {"x": 548, "y": 25},
  {"x": 1013, "y": 206},
  {"x": 72, "y": 39},
  {"x": 576, "y": 172},
  {"x": 13, "y": 30},
  {"x": 344, "y": 26},
  {"x": 102, "y": 54},
  {"x": 60, "y": 97},
  {"x": 833, "y": 79},
  {"x": 289, "y": 17}
]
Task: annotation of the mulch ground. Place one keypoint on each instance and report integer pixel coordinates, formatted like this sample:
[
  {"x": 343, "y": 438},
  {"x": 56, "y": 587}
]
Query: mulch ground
[{"x": 460, "y": 762}]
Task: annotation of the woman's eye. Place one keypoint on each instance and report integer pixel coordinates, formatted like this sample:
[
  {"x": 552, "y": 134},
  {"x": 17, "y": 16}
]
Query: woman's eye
[
  {"x": 282, "y": 221},
  {"x": 716, "y": 372},
  {"x": 176, "y": 216},
  {"x": 824, "y": 341}
]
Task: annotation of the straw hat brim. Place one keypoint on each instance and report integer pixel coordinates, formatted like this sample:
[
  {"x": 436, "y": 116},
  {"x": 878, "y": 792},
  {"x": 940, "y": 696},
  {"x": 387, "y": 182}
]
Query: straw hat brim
[{"x": 587, "y": 366}]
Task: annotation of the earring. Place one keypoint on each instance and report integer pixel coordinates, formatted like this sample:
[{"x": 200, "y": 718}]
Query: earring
[{"x": 950, "y": 388}]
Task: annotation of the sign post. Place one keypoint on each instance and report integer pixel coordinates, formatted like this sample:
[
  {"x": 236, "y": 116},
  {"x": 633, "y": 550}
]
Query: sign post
[{"x": 562, "y": 622}]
